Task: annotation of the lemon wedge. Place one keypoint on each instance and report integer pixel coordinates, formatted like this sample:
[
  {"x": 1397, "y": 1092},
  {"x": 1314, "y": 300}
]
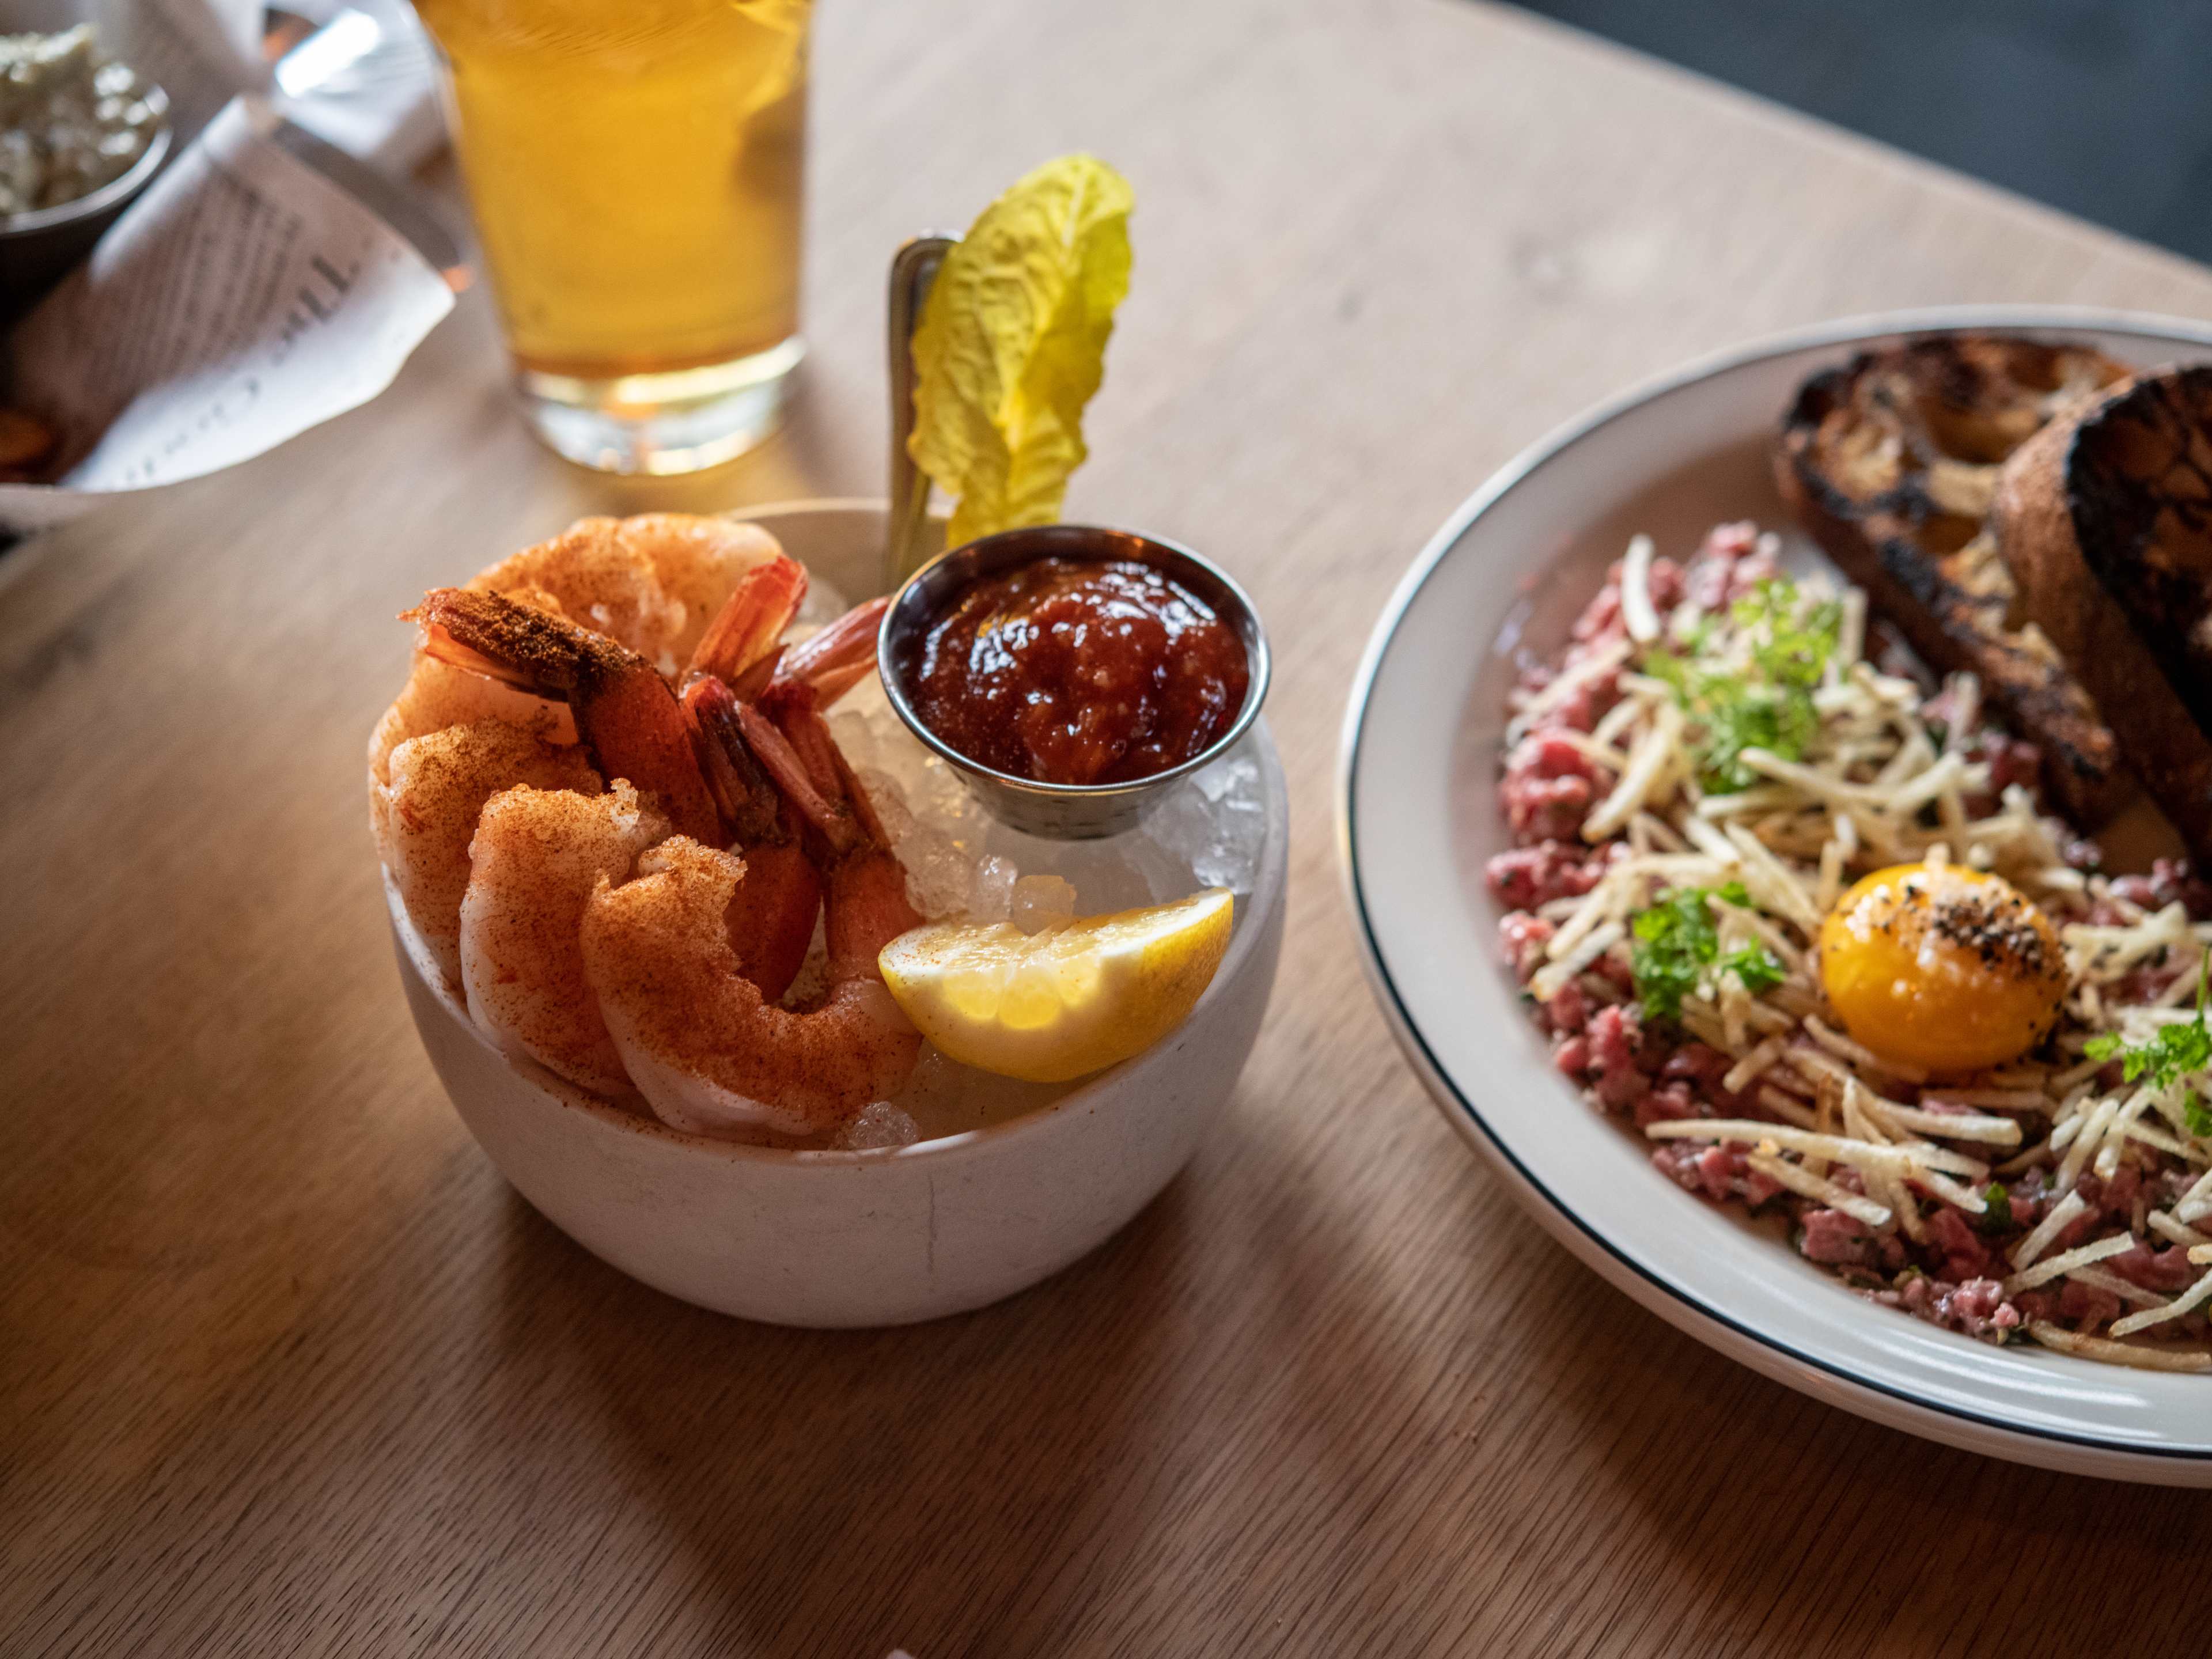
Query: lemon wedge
[{"x": 1067, "y": 1001}]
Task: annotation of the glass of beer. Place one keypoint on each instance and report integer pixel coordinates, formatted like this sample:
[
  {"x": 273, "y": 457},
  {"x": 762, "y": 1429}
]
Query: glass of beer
[{"x": 635, "y": 168}]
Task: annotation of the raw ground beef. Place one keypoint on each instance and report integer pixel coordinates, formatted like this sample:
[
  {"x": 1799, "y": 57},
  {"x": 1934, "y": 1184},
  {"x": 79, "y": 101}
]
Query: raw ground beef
[{"x": 1642, "y": 1074}]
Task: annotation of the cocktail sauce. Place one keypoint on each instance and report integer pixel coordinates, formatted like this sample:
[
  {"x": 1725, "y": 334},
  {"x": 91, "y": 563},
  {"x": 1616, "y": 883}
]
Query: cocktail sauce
[{"x": 1075, "y": 671}]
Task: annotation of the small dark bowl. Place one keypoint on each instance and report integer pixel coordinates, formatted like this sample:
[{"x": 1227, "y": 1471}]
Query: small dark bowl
[
  {"x": 1065, "y": 812},
  {"x": 40, "y": 247}
]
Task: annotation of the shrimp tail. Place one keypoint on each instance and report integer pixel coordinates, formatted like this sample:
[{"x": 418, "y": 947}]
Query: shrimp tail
[
  {"x": 771, "y": 917},
  {"x": 748, "y": 686},
  {"x": 636, "y": 728},
  {"x": 792, "y": 776},
  {"x": 847, "y": 817},
  {"x": 773, "y": 913},
  {"x": 747, "y": 796},
  {"x": 863, "y": 809},
  {"x": 868, "y": 908},
  {"x": 841, "y": 656},
  {"x": 751, "y": 620}
]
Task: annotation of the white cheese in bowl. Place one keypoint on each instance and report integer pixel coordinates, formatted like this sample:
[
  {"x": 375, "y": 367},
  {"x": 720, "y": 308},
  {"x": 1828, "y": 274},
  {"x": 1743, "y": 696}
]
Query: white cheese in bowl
[{"x": 71, "y": 118}]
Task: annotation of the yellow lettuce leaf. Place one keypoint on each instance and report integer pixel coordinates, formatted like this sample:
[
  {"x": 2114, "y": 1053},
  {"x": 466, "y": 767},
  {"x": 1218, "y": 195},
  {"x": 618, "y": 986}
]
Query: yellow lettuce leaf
[{"x": 1013, "y": 344}]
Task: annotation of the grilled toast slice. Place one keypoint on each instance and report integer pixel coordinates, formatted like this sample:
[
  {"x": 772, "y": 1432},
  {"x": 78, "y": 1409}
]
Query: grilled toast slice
[
  {"x": 2105, "y": 519},
  {"x": 1891, "y": 462}
]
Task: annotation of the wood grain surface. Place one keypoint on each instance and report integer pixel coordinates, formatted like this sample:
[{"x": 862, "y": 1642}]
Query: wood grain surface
[{"x": 284, "y": 1365}]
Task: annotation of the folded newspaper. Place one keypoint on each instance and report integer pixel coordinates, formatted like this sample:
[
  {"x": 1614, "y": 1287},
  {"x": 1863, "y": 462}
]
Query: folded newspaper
[{"x": 251, "y": 292}]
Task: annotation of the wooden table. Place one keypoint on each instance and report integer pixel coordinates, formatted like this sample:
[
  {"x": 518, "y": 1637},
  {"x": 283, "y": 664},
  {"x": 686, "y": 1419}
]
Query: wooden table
[{"x": 286, "y": 1367}]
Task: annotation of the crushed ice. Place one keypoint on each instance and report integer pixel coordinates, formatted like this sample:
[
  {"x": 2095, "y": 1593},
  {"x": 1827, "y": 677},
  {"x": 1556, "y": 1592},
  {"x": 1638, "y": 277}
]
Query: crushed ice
[
  {"x": 1208, "y": 831},
  {"x": 880, "y": 1126}
]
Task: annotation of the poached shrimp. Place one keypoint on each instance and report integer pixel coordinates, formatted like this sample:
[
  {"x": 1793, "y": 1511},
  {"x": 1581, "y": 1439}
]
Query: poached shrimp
[{"x": 438, "y": 695}]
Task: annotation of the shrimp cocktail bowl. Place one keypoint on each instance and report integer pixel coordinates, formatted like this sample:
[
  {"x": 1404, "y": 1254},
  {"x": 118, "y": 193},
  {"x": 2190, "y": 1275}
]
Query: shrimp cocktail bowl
[{"x": 737, "y": 981}]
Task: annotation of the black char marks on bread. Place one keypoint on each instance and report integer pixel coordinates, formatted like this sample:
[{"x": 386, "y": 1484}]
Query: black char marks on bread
[
  {"x": 2105, "y": 519},
  {"x": 1891, "y": 462}
]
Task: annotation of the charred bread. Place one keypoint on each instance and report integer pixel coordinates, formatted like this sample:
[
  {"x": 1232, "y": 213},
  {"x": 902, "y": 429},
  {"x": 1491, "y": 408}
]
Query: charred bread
[
  {"x": 1891, "y": 462},
  {"x": 2105, "y": 521}
]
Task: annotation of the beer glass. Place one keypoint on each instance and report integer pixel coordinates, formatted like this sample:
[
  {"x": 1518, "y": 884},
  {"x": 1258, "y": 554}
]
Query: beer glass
[{"x": 635, "y": 169}]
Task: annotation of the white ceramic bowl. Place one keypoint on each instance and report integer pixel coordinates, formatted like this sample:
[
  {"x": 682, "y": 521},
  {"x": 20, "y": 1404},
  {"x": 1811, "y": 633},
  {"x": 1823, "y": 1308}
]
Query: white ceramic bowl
[
  {"x": 821, "y": 1238},
  {"x": 1419, "y": 816}
]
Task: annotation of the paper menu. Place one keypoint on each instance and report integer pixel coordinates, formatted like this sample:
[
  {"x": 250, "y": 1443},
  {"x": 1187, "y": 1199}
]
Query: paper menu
[{"x": 242, "y": 299}]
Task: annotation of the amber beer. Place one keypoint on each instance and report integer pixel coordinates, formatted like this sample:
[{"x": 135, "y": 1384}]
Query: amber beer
[{"x": 635, "y": 169}]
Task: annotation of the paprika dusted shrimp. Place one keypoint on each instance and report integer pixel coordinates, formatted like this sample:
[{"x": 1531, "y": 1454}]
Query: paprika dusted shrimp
[
  {"x": 536, "y": 856},
  {"x": 710, "y": 1054},
  {"x": 633, "y": 727},
  {"x": 540, "y": 751},
  {"x": 652, "y": 582},
  {"x": 438, "y": 695},
  {"x": 628, "y": 718},
  {"x": 660, "y": 579},
  {"x": 773, "y": 915},
  {"x": 664, "y": 951},
  {"x": 424, "y": 811}
]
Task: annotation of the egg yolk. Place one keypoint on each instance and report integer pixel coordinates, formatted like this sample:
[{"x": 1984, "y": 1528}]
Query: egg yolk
[{"x": 1948, "y": 968}]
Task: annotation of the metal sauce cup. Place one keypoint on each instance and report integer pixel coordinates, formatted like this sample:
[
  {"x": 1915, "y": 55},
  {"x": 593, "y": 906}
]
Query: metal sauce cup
[{"x": 1065, "y": 812}]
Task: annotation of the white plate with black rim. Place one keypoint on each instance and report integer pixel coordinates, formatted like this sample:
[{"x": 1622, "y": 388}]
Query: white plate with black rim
[{"x": 1419, "y": 816}]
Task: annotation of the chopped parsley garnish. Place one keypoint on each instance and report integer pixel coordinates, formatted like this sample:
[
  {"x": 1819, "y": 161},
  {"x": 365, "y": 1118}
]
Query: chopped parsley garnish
[
  {"x": 1756, "y": 966},
  {"x": 2174, "y": 1052},
  {"x": 1677, "y": 942},
  {"x": 2196, "y": 1115},
  {"x": 1765, "y": 703},
  {"x": 1791, "y": 642},
  {"x": 1996, "y": 1208}
]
